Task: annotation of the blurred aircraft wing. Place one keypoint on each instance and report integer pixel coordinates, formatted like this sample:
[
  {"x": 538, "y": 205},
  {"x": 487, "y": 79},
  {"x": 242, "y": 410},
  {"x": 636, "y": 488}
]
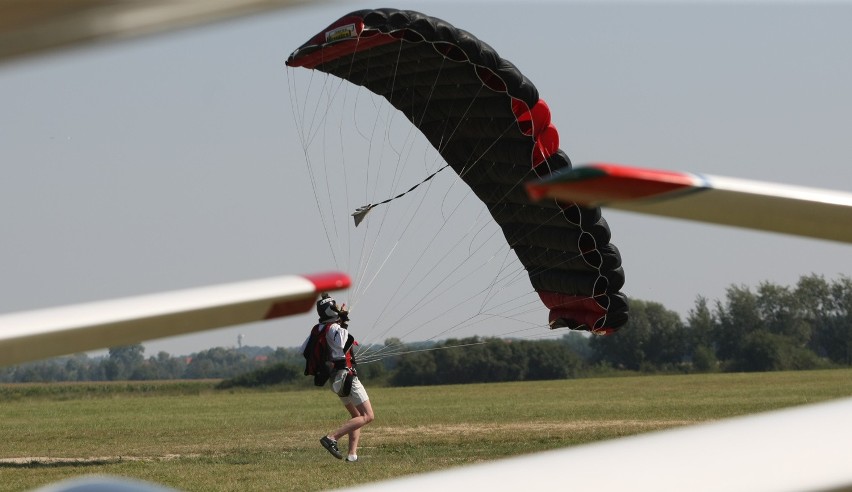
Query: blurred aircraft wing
[
  {"x": 798, "y": 449},
  {"x": 43, "y": 333},
  {"x": 811, "y": 212},
  {"x": 28, "y": 27}
]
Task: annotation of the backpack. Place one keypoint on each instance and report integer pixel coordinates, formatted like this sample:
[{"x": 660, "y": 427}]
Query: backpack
[{"x": 316, "y": 355}]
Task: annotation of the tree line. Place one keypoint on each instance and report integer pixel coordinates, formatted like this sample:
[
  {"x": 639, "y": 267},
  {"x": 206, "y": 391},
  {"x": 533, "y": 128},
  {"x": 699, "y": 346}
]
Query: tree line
[
  {"x": 772, "y": 327},
  {"x": 129, "y": 363}
]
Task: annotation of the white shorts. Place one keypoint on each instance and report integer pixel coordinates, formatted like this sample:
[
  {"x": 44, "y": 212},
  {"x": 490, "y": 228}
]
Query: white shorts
[{"x": 357, "y": 396}]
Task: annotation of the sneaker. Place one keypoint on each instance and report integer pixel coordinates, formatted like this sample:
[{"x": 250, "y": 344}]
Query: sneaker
[
  {"x": 331, "y": 445},
  {"x": 350, "y": 459}
]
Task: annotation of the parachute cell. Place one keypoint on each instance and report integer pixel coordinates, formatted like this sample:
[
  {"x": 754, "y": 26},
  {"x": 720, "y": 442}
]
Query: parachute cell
[{"x": 487, "y": 121}]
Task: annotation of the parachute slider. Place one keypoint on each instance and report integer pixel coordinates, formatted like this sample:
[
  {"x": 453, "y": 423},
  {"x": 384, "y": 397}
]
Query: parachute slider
[{"x": 361, "y": 212}]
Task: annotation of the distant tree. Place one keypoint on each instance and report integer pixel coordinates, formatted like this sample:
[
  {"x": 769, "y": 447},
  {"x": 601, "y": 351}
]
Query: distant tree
[
  {"x": 217, "y": 362},
  {"x": 579, "y": 343},
  {"x": 548, "y": 359},
  {"x": 417, "y": 369},
  {"x": 123, "y": 361},
  {"x": 265, "y": 376},
  {"x": 654, "y": 337},
  {"x": 832, "y": 314},
  {"x": 782, "y": 313},
  {"x": 737, "y": 317},
  {"x": 700, "y": 327}
]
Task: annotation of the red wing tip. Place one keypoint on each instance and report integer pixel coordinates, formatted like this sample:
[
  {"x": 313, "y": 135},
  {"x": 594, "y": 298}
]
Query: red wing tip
[
  {"x": 601, "y": 183},
  {"x": 536, "y": 191},
  {"x": 329, "y": 281},
  {"x": 642, "y": 173}
]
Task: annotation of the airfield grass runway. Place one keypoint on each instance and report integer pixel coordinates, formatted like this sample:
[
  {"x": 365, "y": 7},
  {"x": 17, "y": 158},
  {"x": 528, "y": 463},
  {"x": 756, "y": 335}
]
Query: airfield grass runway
[{"x": 191, "y": 437}]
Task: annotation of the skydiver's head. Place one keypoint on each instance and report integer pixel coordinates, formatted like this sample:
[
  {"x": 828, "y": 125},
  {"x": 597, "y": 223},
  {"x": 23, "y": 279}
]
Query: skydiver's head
[{"x": 327, "y": 309}]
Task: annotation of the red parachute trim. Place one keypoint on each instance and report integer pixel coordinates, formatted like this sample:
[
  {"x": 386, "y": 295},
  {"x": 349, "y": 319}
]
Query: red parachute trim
[
  {"x": 353, "y": 39},
  {"x": 522, "y": 115},
  {"x": 536, "y": 123},
  {"x": 546, "y": 144},
  {"x": 575, "y": 312},
  {"x": 532, "y": 121}
]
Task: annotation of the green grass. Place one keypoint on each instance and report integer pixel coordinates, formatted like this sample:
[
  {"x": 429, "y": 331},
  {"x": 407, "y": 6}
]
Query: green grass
[{"x": 191, "y": 437}]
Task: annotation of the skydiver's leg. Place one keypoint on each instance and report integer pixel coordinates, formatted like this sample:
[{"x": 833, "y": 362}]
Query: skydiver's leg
[
  {"x": 359, "y": 407},
  {"x": 354, "y": 434},
  {"x": 362, "y": 414}
]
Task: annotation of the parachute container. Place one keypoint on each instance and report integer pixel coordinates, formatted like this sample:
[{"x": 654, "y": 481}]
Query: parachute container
[{"x": 486, "y": 119}]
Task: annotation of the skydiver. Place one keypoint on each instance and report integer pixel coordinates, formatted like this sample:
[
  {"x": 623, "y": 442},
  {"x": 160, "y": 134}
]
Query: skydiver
[{"x": 344, "y": 379}]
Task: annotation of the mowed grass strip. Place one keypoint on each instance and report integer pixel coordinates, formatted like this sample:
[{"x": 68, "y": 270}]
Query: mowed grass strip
[{"x": 195, "y": 438}]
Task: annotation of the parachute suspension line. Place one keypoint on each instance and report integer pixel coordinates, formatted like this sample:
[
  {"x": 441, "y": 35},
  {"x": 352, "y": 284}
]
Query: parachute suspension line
[
  {"x": 387, "y": 257},
  {"x": 419, "y": 259},
  {"x": 386, "y": 140},
  {"x": 364, "y": 256},
  {"x": 365, "y": 248},
  {"x": 425, "y": 301},
  {"x": 343, "y": 162},
  {"x": 366, "y": 287},
  {"x": 313, "y": 127},
  {"x": 509, "y": 313},
  {"x": 408, "y": 142},
  {"x": 397, "y": 171},
  {"x": 448, "y": 138},
  {"x": 469, "y": 167},
  {"x": 361, "y": 212},
  {"x": 407, "y": 224},
  {"x": 371, "y": 359},
  {"x": 399, "y": 289},
  {"x": 345, "y": 253},
  {"x": 331, "y": 96},
  {"x": 311, "y": 173},
  {"x": 431, "y": 92},
  {"x": 390, "y": 109},
  {"x": 493, "y": 284},
  {"x": 411, "y": 269},
  {"x": 395, "y": 180},
  {"x": 365, "y": 356}
]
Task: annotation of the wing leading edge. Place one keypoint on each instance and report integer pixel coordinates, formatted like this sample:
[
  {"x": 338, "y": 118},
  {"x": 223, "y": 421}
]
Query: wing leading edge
[
  {"x": 33, "y": 335},
  {"x": 31, "y": 27},
  {"x": 811, "y": 212},
  {"x": 804, "y": 448}
]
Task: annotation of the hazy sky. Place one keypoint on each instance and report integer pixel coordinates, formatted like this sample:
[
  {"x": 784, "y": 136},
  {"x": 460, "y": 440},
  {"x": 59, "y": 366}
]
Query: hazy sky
[{"x": 174, "y": 161}]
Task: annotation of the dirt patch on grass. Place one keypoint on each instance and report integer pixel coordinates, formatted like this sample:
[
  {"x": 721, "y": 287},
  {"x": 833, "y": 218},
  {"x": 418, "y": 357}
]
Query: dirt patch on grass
[
  {"x": 89, "y": 460},
  {"x": 533, "y": 428}
]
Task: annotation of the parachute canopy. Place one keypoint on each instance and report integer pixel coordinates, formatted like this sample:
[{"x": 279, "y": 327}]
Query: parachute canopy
[{"x": 487, "y": 121}]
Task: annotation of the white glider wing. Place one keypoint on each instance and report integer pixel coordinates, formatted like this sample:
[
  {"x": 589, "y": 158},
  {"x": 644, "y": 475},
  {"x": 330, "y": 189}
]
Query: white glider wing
[
  {"x": 43, "y": 333},
  {"x": 28, "y": 27},
  {"x": 792, "y": 450},
  {"x": 811, "y": 212}
]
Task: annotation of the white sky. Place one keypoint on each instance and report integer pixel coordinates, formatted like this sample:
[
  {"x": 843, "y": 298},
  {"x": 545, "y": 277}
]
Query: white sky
[{"x": 173, "y": 161}]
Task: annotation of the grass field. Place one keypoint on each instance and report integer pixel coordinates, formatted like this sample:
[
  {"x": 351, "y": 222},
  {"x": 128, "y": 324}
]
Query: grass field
[{"x": 191, "y": 437}]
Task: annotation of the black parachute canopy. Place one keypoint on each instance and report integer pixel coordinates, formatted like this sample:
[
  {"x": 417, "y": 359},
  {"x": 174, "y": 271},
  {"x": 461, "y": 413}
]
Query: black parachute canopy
[{"x": 487, "y": 121}]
